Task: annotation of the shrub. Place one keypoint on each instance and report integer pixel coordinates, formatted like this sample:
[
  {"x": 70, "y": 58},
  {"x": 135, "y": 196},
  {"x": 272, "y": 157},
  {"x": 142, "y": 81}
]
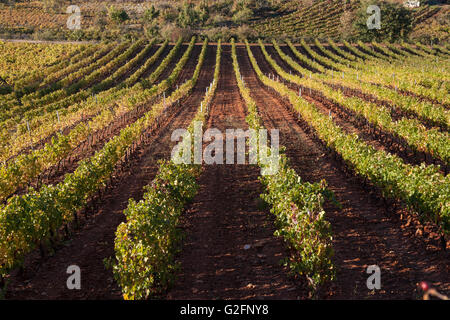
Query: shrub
[
  {"x": 172, "y": 32},
  {"x": 245, "y": 32},
  {"x": 117, "y": 15},
  {"x": 187, "y": 16},
  {"x": 242, "y": 15},
  {"x": 151, "y": 14}
]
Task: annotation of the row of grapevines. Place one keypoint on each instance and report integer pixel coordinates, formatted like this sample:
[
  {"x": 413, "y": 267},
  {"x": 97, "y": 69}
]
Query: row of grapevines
[
  {"x": 399, "y": 51},
  {"x": 441, "y": 50},
  {"x": 414, "y": 50},
  {"x": 30, "y": 83},
  {"x": 331, "y": 55},
  {"x": 304, "y": 59},
  {"x": 424, "y": 48},
  {"x": 415, "y": 134},
  {"x": 17, "y": 112},
  {"x": 370, "y": 53},
  {"x": 321, "y": 17},
  {"x": 65, "y": 87},
  {"x": 145, "y": 245},
  {"x": 147, "y": 64},
  {"x": 123, "y": 70},
  {"x": 324, "y": 61},
  {"x": 27, "y": 167},
  {"x": 412, "y": 68},
  {"x": 315, "y": 23},
  {"x": 435, "y": 114},
  {"x": 422, "y": 188},
  {"x": 384, "y": 51},
  {"x": 341, "y": 52},
  {"x": 86, "y": 81},
  {"x": 105, "y": 83},
  {"x": 297, "y": 206},
  {"x": 411, "y": 75},
  {"x": 376, "y": 50},
  {"x": 356, "y": 52},
  {"x": 58, "y": 80},
  {"x": 273, "y": 24},
  {"x": 33, "y": 218},
  {"x": 22, "y": 67},
  {"x": 47, "y": 124},
  {"x": 379, "y": 69},
  {"x": 299, "y": 68},
  {"x": 431, "y": 141}
]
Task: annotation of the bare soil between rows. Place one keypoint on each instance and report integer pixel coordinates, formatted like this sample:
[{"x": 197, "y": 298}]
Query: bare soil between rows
[
  {"x": 229, "y": 250},
  {"x": 364, "y": 232},
  {"x": 45, "y": 278},
  {"x": 225, "y": 218}
]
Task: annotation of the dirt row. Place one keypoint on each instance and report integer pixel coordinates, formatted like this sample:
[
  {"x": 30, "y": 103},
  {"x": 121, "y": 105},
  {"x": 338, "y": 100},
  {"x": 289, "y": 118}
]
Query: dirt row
[
  {"x": 225, "y": 218},
  {"x": 404, "y": 92},
  {"x": 40, "y": 144},
  {"x": 45, "y": 278},
  {"x": 229, "y": 250},
  {"x": 98, "y": 139},
  {"x": 353, "y": 123},
  {"x": 364, "y": 233}
]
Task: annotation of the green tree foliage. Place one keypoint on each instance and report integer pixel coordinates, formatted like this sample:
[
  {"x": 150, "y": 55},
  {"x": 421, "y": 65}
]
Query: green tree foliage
[
  {"x": 203, "y": 10},
  {"x": 117, "y": 15},
  {"x": 192, "y": 16},
  {"x": 151, "y": 14},
  {"x": 187, "y": 16},
  {"x": 396, "y": 22},
  {"x": 151, "y": 25}
]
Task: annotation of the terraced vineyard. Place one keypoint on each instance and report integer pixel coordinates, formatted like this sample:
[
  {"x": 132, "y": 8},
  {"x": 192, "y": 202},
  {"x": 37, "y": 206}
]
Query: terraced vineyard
[
  {"x": 89, "y": 176},
  {"x": 327, "y": 19},
  {"x": 322, "y": 19}
]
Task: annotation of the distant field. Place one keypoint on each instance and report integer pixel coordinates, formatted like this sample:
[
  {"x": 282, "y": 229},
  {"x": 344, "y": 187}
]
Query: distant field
[{"x": 223, "y": 19}]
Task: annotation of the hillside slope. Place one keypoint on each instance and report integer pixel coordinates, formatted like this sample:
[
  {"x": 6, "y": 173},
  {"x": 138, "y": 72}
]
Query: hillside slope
[{"x": 252, "y": 19}]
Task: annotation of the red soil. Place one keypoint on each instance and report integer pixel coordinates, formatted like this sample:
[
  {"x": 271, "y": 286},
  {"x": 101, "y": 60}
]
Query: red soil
[
  {"x": 227, "y": 214},
  {"x": 364, "y": 233}
]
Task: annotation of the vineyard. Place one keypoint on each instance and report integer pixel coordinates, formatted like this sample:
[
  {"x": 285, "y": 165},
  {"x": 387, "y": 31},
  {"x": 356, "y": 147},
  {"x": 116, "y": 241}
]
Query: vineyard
[
  {"x": 88, "y": 176},
  {"x": 221, "y": 19},
  {"x": 322, "y": 19}
]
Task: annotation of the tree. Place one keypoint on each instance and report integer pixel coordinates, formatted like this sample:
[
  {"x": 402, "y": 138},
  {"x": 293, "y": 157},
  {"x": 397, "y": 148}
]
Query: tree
[
  {"x": 117, "y": 15},
  {"x": 151, "y": 14},
  {"x": 187, "y": 16},
  {"x": 243, "y": 11},
  {"x": 396, "y": 22},
  {"x": 203, "y": 11}
]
